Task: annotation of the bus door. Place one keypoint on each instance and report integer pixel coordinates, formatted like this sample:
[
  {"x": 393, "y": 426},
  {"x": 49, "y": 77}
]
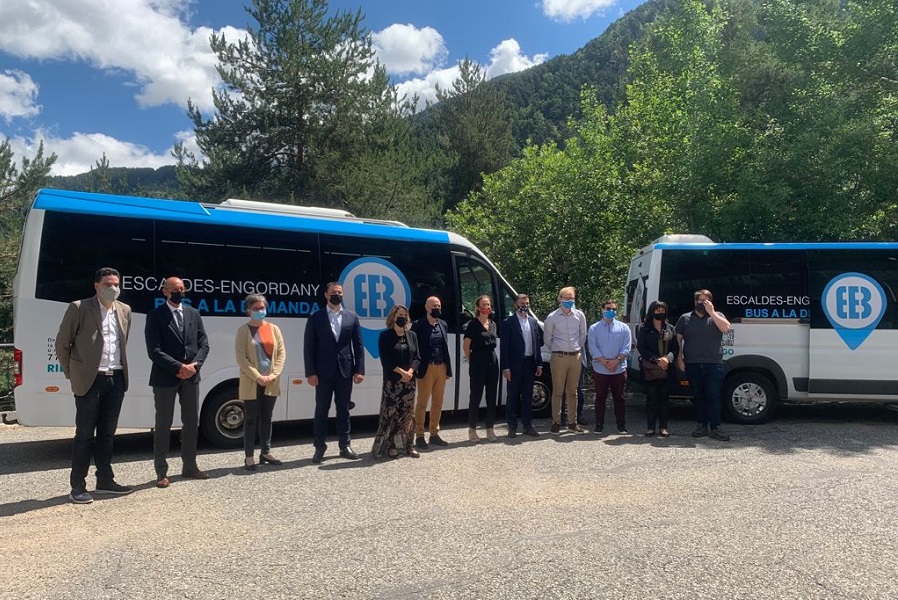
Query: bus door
[
  {"x": 474, "y": 279},
  {"x": 854, "y": 319}
]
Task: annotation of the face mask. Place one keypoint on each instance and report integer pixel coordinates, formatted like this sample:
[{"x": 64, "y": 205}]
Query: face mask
[
  {"x": 568, "y": 304},
  {"x": 659, "y": 316},
  {"x": 523, "y": 309},
  {"x": 109, "y": 294},
  {"x": 436, "y": 313},
  {"x": 336, "y": 299},
  {"x": 401, "y": 321},
  {"x": 176, "y": 297},
  {"x": 258, "y": 315},
  {"x": 486, "y": 310},
  {"x": 609, "y": 314},
  {"x": 700, "y": 306}
]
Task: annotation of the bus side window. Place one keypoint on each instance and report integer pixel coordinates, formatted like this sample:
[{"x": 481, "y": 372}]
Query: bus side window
[{"x": 474, "y": 280}]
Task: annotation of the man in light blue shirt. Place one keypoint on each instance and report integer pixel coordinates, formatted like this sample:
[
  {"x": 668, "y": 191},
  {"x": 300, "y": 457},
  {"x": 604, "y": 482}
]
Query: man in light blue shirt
[{"x": 609, "y": 343}]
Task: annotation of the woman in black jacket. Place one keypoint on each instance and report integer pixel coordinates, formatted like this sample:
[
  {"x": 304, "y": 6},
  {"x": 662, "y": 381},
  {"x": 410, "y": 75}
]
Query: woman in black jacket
[
  {"x": 657, "y": 346},
  {"x": 399, "y": 357}
]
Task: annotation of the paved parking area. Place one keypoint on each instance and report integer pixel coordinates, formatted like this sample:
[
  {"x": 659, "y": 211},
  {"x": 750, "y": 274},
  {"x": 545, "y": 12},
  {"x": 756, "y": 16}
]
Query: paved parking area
[{"x": 803, "y": 507}]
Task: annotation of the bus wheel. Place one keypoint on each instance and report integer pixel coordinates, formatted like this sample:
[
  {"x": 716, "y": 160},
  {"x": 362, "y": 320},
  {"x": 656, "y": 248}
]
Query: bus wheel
[
  {"x": 749, "y": 398},
  {"x": 222, "y": 419},
  {"x": 542, "y": 399}
]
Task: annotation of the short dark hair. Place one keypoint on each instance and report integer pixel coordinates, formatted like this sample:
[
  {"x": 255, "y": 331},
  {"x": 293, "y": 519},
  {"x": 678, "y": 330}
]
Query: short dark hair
[
  {"x": 703, "y": 293},
  {"x": 522, "y": 297},
  {"x": 609, "y": 301},
  {"x": 331, "y": 284},
  {"x": 105, "y": 272}
]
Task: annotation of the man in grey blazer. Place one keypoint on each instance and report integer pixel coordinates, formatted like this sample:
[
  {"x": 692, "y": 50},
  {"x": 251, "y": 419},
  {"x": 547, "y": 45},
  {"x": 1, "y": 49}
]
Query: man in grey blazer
[
  {"x": 177, "y": 346},
  {"x": 90, "y": 346}
]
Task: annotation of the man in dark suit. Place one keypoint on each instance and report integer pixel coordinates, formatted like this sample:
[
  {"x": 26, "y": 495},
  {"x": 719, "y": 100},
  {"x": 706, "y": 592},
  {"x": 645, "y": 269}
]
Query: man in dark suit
[
  {"x": 521, "y": 362},
  {"x": 433, "y": 372},
  {"x": 334, "y": 359},
  {"x": 90, "y": 346},
  {"x": 177, "y": 345}
]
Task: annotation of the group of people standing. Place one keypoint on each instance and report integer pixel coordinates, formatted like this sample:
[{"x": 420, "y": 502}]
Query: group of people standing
[{"x": 415, "y": 356}]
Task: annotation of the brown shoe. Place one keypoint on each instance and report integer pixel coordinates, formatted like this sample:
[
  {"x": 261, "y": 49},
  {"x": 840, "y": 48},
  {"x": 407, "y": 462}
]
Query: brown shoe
[
  {"x": 162, "y": 482},
  {"x": 195, "y": 474},
  {"x": 575, "y": 428}
]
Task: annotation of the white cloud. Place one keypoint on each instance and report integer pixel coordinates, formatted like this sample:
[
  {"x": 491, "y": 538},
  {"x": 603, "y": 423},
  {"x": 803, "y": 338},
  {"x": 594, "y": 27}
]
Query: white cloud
[
  {"x": 18, "y": 93},
  {"x": 170, "y": 61},
  {"x": 80, "y": 152},
  {"x": 568, "y": 10},
  {"x": 507, "y": 58},
  {"x": 404, "y": 49},
  {"x": 504, "y": 58}
]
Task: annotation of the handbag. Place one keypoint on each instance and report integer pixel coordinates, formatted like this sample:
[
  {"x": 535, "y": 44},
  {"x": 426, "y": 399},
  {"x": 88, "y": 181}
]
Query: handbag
[{"x": 651, "y": 371}]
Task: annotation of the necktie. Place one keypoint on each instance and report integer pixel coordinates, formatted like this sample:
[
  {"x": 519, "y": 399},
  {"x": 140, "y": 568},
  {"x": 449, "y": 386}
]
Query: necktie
[{"x": 179, "y": 319}]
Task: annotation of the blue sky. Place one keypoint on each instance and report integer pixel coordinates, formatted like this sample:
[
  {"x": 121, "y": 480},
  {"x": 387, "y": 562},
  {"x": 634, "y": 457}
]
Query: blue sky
[{"x": 89, "y": 77}]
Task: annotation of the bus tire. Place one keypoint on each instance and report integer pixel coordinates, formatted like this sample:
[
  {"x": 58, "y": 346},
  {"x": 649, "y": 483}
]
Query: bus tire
[
  {"x": 542, "y": 398},
  {"x": 221, "y": 420},
  {"x": 749, "y": 398}
]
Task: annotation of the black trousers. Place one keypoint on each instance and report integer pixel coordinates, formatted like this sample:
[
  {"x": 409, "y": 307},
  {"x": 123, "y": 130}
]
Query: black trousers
[
  {"x": 657, "y": 403},
  {"x": 483, "y": 371},
  {"x": 520, "y": 394},
  {"x": 187, "y": 392},
  {"x": 97, "y": 412},
  {"x": 258, "y": 413},
  {"x": 340, "y": 390}
]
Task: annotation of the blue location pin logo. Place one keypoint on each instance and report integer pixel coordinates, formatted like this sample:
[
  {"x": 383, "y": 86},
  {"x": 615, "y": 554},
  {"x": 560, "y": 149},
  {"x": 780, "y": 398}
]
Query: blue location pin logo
[{"x": 854, "y": 303}]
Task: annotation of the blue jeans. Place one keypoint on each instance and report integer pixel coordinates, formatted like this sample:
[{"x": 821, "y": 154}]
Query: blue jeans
[{"x": 707, "y": 382}]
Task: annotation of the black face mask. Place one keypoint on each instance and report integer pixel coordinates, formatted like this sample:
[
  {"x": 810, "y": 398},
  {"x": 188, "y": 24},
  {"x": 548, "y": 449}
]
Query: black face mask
[
  {"x": 336, "y": 299},
  {"x": 176, "y": 297},
  {"x": 401, "y": 321},
  {"x": 523, "y": 309},
  {"x": 436, "y": 313},
  {"x": 700, "y": 307},
  {"x": 659, "y": 316}
]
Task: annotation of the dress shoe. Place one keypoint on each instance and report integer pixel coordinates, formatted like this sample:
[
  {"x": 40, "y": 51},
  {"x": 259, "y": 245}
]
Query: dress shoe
[
  {"x": 530, "y": 431},
  {"x": 556, "y": 428},
  {"x": 436, "y": 440},
  {"x": 718, "y": 435},
  {"x": 575, "y": 428},
  {"x": 410, "y": 451},
  {"x": 163, "y": 482},
  {"x": 598, "y": 428},
  {"x": 347, "y": 452},
  {"x": 268, "y": 458},
  {"x": 700, "y": 431},
  {"x": 249, "y": 464},
  {"x": 318, "y": 456},
  {"x": 421, "y": 443},
  {"x": 512, "y": 433},
  {"x": 194, "y": 473}
]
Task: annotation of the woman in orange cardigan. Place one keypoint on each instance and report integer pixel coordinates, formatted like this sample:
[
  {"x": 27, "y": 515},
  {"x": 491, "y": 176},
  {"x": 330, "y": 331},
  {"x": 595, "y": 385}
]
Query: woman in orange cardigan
[{"x": 261, "y": 357}]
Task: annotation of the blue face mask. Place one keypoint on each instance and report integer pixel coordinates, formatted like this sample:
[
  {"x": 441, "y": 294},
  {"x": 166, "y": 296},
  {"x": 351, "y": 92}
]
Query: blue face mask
[
  {"x": 568, "y": 304},
  {"x": 609, "y": 314},
  {"x": 258, "y": 315}
]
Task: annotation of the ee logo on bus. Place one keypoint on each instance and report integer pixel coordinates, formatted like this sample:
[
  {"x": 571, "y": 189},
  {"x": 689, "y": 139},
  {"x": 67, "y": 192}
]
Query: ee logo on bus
[
  {"x": 371, "y": 287},
  {"x": 854, "y": 303}
]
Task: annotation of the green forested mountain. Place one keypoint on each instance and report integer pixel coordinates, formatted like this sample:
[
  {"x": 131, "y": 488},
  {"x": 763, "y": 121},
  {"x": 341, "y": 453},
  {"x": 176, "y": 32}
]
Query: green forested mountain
[{"x": 157, "y": 183}]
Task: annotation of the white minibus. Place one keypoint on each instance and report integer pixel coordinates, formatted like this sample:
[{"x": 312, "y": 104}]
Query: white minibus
[
  {"x": 224, "y": 252},
  {"x": 811, "y": 321}
]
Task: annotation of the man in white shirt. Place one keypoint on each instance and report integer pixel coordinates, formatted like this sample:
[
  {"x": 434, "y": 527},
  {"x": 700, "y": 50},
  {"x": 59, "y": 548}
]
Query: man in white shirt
[{"x": 565, "y": 336}]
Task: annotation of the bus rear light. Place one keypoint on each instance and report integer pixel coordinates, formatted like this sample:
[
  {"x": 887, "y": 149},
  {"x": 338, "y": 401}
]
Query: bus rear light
[{"x": 17, "y": 366}]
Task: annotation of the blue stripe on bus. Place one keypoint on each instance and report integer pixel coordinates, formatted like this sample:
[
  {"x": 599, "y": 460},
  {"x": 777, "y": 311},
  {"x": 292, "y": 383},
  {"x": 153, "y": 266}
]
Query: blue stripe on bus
[
  {"x": 193, "y": 212},
  {"x": 779, "y": 246}
]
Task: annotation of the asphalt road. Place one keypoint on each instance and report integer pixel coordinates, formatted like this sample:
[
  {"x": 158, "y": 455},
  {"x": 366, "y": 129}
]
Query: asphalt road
[{"x": 803, "y": 507}]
